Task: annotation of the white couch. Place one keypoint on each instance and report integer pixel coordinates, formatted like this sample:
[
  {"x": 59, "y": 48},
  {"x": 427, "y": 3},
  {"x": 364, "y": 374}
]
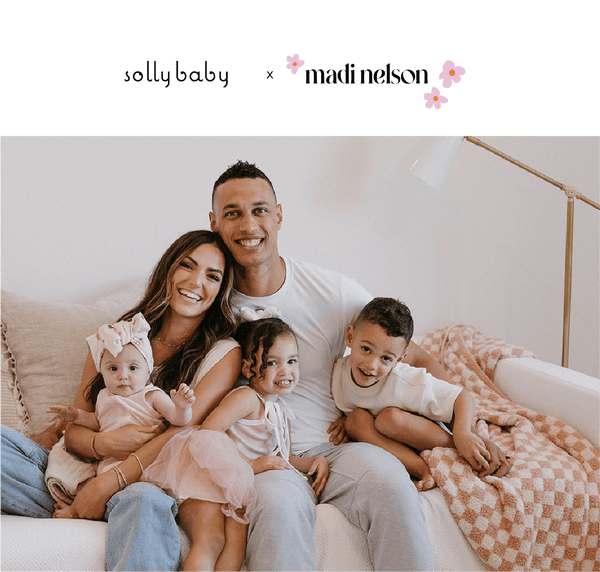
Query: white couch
[{"x": 43, "y": 352}]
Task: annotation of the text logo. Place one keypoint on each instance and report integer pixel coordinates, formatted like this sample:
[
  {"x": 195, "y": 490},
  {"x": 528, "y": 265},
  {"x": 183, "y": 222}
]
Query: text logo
[
  {"x": 349, "y": 75},
  {"x": 152, "y": 75}
]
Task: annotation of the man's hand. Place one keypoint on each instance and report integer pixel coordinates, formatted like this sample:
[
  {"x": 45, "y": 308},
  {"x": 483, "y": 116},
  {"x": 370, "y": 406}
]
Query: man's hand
[
  {"x": 337, "y": 431},
  {"x": 120, "y": 443},
  {"x": 320, "y": 466}
]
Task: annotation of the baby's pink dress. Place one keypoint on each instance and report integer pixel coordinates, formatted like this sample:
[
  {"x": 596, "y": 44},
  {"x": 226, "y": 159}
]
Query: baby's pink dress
[
  {"x": 116, "y": 411},
  {"x": 205, "y": 465}
]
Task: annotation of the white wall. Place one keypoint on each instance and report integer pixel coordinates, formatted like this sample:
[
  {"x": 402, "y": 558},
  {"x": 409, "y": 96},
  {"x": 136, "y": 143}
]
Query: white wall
[{"x": 82, "y": 217}]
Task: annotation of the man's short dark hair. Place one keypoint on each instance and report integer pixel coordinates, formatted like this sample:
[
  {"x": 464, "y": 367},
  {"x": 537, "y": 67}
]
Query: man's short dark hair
[
  {"x": 390, "y": 314},
  {"x": 241, "y": 170}
]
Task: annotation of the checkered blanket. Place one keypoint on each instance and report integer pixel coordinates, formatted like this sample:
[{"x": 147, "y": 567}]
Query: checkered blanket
[{"x": 543, "y": 515}]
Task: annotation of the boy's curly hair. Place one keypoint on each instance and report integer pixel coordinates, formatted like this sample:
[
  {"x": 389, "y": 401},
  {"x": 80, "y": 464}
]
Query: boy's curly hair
[{"x": 390, "y": 314}]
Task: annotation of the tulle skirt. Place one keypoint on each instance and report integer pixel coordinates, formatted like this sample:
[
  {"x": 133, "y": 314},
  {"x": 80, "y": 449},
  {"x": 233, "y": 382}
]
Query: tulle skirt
[{"x": 205, "y": 465}]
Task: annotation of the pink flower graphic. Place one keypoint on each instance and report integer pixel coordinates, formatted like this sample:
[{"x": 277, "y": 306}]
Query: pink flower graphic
[
  {"x": 294, "y": 63},
  {"x": 434, "y": 99},
  {"x": 451, "y": 73}
]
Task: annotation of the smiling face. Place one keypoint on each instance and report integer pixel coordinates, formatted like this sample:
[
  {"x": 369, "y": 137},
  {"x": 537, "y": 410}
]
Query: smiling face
[
  {"x": 196, "y": 282},
  {"x": 125, "y": 374},
  {"x": 247, "y": 218},
  {"x": 282, "y": 372},
  {"x": 374, "y": 353}
]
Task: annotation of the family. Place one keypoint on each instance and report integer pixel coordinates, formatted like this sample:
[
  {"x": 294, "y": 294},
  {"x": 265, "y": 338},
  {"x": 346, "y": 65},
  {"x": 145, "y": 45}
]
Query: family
[{"x": 242, "y": 466}]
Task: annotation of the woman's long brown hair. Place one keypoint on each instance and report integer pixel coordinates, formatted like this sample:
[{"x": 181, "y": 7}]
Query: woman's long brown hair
[{"x": 218, "y": 322}]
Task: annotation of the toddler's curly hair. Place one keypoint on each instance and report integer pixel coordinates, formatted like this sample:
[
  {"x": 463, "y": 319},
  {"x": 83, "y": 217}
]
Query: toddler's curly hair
[{"x": 252, "y": 335}]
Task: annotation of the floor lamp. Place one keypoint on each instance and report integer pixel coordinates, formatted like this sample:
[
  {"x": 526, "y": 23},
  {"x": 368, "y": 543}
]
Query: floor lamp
[{"x": 432, "y": 165}]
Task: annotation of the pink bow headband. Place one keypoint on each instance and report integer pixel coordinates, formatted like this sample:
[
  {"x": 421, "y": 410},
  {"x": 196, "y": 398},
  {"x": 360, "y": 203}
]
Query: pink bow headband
[
  {"x": 113, "y": 337},
  {"x": 250, "y": 315}
]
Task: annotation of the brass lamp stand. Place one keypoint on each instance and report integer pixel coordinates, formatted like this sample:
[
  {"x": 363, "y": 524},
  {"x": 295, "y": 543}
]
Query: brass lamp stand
[{"x": 572, "y": 194}]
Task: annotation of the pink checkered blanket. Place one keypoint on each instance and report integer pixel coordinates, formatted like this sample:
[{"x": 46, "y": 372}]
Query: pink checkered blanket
[{"x": 543, "y": 515}]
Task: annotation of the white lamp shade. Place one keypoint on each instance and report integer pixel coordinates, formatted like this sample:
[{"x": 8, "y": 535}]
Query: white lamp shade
[{"x": 432, "y": 161}]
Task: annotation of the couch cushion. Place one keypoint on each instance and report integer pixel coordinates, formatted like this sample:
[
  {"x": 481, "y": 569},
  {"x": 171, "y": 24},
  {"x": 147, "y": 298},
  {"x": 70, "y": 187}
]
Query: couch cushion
[
  {"x": 45, "y": 352},
  {"x": 52, "y": 544}
]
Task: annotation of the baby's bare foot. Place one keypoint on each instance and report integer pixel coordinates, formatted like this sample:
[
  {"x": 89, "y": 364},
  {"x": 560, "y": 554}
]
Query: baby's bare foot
[
  {"x": 62, "y": 512},
  {"x": 427, "y": 482}
]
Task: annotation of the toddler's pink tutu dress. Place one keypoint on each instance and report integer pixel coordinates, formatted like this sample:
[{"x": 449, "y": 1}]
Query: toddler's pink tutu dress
[{"x": 204, "y": 464}]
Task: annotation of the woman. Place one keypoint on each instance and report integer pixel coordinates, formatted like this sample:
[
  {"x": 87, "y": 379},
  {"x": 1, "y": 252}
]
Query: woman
[{"x": 187, "y": 306}]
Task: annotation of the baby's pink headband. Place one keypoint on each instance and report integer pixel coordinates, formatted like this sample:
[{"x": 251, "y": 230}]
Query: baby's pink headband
[{"x": 113, "y": 337}]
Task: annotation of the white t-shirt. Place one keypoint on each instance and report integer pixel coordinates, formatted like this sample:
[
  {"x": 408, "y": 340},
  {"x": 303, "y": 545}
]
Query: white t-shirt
[
  {"x": 318, "y": 304},
  {"x": 406, "y": 387}
]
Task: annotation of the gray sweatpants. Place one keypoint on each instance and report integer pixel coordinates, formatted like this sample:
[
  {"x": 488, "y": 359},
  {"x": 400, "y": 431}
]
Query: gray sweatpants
[{"x": 371, "y": 488}]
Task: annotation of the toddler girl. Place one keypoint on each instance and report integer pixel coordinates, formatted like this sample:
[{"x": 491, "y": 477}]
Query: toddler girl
[
  {"x": 123, "y": 356},
  {"x": 210, "y": 469}
]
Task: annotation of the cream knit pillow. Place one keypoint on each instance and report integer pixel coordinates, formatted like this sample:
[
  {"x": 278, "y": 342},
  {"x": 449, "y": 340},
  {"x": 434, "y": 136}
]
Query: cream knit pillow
[{"x": 44, "y": 352}]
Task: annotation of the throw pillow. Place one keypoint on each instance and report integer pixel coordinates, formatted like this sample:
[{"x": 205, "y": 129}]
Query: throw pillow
[{"x": 46, "y": 350}]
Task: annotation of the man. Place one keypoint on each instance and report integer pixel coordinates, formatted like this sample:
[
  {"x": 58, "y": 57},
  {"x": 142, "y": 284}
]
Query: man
[{"x": 370, "y": 487}]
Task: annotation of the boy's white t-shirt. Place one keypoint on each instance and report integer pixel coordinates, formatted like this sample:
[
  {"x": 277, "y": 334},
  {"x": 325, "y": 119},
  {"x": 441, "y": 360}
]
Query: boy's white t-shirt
[
  {"x": 319, "y": 304},
  {"x": 406, "y": 387}
]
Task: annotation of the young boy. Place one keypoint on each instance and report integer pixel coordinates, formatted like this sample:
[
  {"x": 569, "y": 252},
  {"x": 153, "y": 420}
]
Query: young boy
[{"x": 408, "y": 403}]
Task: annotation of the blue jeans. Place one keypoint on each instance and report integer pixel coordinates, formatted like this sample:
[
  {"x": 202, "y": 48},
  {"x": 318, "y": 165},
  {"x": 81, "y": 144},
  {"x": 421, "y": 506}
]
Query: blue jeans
[
  {"x": 24, "y": 462},
  {"x": 142, "y": 533}
]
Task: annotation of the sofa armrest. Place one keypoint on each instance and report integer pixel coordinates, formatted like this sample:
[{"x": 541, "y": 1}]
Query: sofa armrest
[{"x": 570, "y": 396}]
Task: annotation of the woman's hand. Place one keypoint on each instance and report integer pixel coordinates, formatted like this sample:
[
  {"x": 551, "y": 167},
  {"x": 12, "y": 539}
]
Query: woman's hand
[
  {"x": 120, "y": 443},
  {"x": 337, "y": 431},
  {"x": 91, "y": 500}
]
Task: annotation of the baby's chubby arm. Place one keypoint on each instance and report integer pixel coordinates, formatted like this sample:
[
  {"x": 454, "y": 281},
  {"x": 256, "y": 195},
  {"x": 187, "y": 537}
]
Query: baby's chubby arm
[
  {"x": 71, "y": 414},
  {"x": 177, "y": 409}
]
